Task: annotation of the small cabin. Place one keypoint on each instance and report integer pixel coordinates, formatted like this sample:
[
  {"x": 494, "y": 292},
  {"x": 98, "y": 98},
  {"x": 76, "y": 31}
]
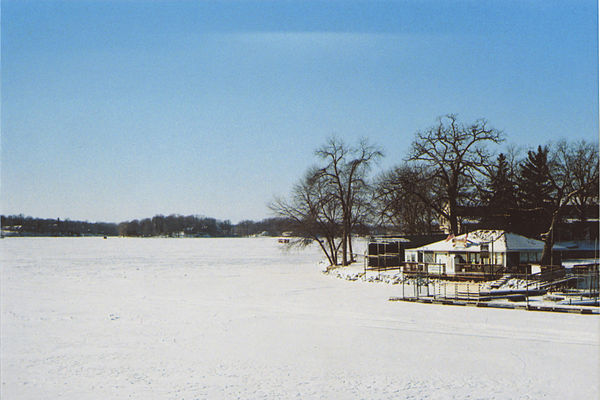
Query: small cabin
[{"x": 487, "y": 252}]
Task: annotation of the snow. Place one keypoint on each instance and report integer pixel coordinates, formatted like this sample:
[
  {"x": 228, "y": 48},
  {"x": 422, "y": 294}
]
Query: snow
[
  {"x": 240, "y": 318},
  {"x": 502, "y": 242},
  {"x": 582, "y": 261}
]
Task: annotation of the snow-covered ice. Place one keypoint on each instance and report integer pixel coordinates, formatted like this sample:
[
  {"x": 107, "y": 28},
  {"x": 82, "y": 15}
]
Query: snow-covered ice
[{"x": 87, "y": 318}]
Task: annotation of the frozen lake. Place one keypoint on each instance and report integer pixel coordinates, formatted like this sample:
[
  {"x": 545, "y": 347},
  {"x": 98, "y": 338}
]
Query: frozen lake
[{"x": 87, "y": 318}]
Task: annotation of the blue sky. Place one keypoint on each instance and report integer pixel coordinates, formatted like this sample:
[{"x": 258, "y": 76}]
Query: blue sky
[{"x": 114, "y": 110}]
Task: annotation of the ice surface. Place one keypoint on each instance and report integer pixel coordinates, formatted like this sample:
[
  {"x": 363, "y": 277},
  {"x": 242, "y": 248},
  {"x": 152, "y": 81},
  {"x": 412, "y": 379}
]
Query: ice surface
[{"x": 87, "y": 318}]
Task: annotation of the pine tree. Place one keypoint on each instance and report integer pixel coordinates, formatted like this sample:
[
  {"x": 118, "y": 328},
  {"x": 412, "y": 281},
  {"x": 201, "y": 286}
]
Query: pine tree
[
  {"x": 535, "y": 192},
  {"x": 500, "y": 198}
]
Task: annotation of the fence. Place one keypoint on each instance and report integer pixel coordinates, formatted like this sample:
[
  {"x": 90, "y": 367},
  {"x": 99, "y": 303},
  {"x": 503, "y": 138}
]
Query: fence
[{"x": 467, "y": 272}]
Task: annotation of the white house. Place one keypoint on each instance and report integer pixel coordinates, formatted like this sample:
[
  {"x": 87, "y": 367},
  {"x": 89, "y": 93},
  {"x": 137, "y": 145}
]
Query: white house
[{"x": 483, "y": 251}]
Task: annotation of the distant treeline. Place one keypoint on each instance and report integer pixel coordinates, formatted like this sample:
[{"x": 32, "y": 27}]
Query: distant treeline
[
  {"x": 267, "y": 227},
  {"x": 159, "y": 225},
  {"x": 19, "y": 225},
  {"x": 176, "y": 226}
]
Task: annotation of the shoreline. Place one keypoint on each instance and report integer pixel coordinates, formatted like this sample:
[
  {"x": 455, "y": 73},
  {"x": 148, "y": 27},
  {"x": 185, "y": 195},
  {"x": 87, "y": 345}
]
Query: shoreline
[{"x": 509, "y": 295}]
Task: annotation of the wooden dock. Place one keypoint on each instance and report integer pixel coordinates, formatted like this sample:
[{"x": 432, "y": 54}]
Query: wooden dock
[{"x": 510, "y": 306}]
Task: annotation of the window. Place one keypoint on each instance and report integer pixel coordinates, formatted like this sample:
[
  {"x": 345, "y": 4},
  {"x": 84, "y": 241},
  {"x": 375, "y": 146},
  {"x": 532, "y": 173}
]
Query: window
[
  {"x": 428, "y": 257},
  {"x": 530, "y": 256}
]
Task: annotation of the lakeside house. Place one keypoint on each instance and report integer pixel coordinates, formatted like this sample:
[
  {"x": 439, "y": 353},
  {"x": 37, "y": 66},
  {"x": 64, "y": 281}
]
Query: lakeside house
[
  {"x": 486, "y": 252},
  {"x": 484, "y": 255}
]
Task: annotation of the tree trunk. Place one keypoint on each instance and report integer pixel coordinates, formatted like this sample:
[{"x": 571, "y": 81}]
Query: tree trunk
[
  {"x": 325, "y": 251},
  {"x": 333, "y": 251},
  {"x": 452, "y": 217},
  {"x": 345, "y": 246},
  {"x": 549, "y": 241}
]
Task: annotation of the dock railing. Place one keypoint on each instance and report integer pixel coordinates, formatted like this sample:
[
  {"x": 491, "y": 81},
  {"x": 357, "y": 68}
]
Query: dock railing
[{"x": 565, "y": 286}]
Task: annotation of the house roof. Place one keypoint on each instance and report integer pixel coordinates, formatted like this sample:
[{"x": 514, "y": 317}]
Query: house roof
[{"x": 497, "y": 240}]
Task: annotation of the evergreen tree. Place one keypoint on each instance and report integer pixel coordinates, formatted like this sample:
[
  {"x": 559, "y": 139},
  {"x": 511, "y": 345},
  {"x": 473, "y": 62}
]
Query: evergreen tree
[
  {"x": 535, "y": 192},
  {"x": 500, "y": 197}
]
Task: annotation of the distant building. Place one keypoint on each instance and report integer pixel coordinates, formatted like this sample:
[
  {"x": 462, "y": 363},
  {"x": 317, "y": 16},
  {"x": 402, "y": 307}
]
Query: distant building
[{"x": 579, "y": 249}]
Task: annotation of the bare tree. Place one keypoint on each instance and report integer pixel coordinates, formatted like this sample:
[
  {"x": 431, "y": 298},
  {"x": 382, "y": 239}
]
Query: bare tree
[
  {"x": 573, "y": 179},
  {"x": 314, "y": 213},
  {"x": 398, "y": 204},
  {"x": 345, "y": 173},
  {"x": 453, "y": 157},
  {"x": 332, "y": 199},
  {"x": 583, "y": 161}
]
